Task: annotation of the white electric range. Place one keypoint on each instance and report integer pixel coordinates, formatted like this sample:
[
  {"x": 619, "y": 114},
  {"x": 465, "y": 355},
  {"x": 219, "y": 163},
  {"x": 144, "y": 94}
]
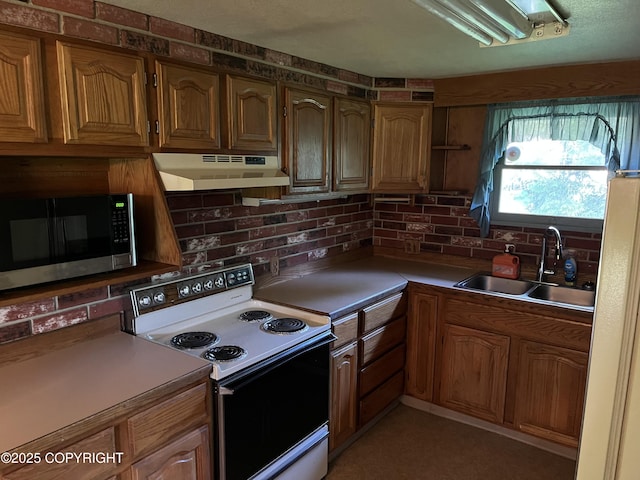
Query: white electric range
[{"x": 270, "y": 376}]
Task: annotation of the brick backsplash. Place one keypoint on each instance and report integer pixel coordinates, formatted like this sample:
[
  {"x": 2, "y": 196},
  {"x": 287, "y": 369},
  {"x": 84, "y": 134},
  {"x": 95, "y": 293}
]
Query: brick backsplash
[
  {"x": 441, "y": 224},
  {"x": 215, "y": 229}
]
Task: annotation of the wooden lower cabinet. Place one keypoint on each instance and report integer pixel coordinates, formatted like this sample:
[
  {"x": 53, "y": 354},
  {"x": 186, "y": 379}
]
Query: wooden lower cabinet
[
  {"x": 163, "y": 438},
  {"x": 103, "y": 441},
  {"x": 474, "y": 372},
  {"x": 421, "y": 344},
  {"x": 519, "y": 365},
  {"x": 344, "y": 384},
  {"x": 186, "y": 458},
  {"x": 550, "y": 392},
  {"x": 367, "y": 366}
]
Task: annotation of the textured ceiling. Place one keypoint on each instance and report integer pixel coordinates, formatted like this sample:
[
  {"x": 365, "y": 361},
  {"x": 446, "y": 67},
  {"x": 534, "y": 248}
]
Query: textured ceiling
[{"x": 397, "y": 38}]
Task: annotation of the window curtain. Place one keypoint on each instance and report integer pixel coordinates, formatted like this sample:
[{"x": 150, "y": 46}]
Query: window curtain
[{"x": 612, "y": 124}]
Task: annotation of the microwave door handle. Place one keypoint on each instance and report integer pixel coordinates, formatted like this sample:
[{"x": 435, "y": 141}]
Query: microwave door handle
[
  {"x": 52, "y": 220},
  {"x": 59, "y": 237}
]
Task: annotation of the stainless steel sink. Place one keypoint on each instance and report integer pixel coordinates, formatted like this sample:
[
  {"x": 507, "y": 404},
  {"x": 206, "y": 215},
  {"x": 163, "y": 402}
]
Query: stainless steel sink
[
  {"x": 559, "y": 294},
  {"x": 488, "y": 283},
  {"x": 549, "y": 293}
]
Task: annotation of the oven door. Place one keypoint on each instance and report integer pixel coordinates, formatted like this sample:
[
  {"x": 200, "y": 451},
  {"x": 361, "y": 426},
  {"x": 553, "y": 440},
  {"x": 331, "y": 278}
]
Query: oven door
[{"x": 265, "y": 410}]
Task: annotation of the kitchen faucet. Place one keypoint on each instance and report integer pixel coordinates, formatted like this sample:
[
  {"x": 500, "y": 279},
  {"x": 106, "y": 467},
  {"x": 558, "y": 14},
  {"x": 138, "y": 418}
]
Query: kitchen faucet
[{"x": 542, "y": 271}]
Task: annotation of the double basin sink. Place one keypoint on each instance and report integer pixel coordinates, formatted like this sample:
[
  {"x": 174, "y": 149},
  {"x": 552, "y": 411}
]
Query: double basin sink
[{"x": 549, "y": 293}]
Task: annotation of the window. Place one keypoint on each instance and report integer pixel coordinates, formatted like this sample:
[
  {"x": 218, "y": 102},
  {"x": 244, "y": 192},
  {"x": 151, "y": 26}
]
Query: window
[
  {"x": 546, "y": 162},
  {"x": 550, "y": 182}
]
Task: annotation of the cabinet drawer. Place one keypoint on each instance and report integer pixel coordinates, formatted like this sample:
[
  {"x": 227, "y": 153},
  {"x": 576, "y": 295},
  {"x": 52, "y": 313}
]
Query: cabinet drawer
[
  {"x": 380, "y": 370},
  {"x": 154, "y": 426},
  {"x": 346, "y": 329},
  {"x": 380, "y": 398},
  {"x": 103, "y": 441},
  {"x": 540, "y": 328},
  {"x": 383, "y": 311},
  {"x": 381, "y": 340}
]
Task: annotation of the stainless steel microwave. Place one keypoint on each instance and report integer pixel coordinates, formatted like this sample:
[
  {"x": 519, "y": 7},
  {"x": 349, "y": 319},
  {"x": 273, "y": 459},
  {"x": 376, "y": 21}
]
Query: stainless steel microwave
[{"x": 45, "y": 240}]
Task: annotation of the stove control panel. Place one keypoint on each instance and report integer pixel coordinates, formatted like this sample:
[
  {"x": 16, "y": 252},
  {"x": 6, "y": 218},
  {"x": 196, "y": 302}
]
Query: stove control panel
[
  {"x": 239, "y": 276},
  {"x": 161, "y": 295}
]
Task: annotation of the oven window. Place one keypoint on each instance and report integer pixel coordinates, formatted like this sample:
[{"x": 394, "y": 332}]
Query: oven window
[{"x": 272, "y": 412}]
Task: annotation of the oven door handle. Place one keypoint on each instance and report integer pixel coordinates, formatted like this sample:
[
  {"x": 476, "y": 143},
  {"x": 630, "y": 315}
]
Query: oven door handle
[
  {"x": 225, "y": 391},
  {"x": 256, "y": 371}
]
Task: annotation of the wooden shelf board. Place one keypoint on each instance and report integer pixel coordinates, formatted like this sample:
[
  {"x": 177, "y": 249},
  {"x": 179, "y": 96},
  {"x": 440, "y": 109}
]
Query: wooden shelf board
[
  {"x": 451, "y": 147},
  {"x": 145, "y": 269}
]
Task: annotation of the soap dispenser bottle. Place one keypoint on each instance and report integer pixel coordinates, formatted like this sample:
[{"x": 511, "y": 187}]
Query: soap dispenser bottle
[
  {"x": 506, "y": 265},
  {"x": 570, "y": 268}
]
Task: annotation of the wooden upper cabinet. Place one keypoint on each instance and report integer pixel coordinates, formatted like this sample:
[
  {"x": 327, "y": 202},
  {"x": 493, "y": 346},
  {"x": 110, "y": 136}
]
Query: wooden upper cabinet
[
  {"x": 308, "y": 140},
  {"x": 22, "y": 110},
  {"x": 401, "y": 148},
  {"x": 188, "y": 107},
  {"x": 103, "y": 96},
  {"x": 351, "y": 127},
  {"x": 252, "y": 118}
]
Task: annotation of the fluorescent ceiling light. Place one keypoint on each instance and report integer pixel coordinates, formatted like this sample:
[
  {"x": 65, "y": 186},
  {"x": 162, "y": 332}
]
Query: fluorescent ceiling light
[
  {"x": 506, "y": 21},
  {"x": 513, "y": 21},
  {"x": 457, "y": 21}
]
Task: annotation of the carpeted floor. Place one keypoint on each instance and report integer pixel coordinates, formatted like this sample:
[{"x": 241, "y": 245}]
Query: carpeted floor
[{"x": 409, "y": 444}]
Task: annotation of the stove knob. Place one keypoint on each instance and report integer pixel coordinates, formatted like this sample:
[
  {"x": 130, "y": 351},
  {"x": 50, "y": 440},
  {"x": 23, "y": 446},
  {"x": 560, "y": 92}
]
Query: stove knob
[
  {"x": 219, "y": 282},
  {"x": 231, "y": 279},
  {"x": 208, "y": 285},
  {"x": 196, "y": 287},
  {"x": 145, "y": 301},
  {"x": 158, "y": 297},
  {"x": 184, "y": 290}
]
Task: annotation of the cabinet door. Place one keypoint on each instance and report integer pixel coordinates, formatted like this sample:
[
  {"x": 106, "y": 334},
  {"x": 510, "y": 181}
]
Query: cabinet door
[
  {"x": 252, "y": 114},
  {"x": 186, "y": 458},
  {"x": 352, "y": 124},
  {"x": 344, "y": 401},
  {"x": 421, "y": 345},
  {"x": 188, "y": 107},
  {"x": 22, "y": 111},
  {"x": 474, "y": 372},
  {"x": 308, "y": 141},
  {"x": 101, "y": 442},
  {"x": 550, "y": 392},
  {"x": 401, "y": 147},
  {"x": 103, "y": 97}
]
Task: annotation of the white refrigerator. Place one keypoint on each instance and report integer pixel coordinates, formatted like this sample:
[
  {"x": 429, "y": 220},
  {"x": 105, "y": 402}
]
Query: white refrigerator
[{"x": 610, "y": 441}]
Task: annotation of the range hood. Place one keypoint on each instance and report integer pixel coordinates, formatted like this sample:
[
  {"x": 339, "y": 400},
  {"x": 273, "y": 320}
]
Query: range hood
[{"x": 189, "y": 171}]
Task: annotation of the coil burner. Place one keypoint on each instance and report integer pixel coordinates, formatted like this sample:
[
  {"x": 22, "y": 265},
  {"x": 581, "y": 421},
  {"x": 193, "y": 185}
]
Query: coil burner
[
  {"x": 224, "y": 353},
  {"x": 194, "y": 339},
  {"x": 255, "y": 315},
  {"x": 285, "y": 325}
]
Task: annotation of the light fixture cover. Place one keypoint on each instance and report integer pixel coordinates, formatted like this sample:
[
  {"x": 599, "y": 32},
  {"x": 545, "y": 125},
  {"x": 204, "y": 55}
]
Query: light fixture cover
[{"x": 507, "y": 21}]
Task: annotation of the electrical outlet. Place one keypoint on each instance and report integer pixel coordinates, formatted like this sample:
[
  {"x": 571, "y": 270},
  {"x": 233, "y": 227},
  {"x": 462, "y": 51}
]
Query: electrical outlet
[
  {"x": 411, "y": 246},
  {"x": 275, "y": 266}
]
